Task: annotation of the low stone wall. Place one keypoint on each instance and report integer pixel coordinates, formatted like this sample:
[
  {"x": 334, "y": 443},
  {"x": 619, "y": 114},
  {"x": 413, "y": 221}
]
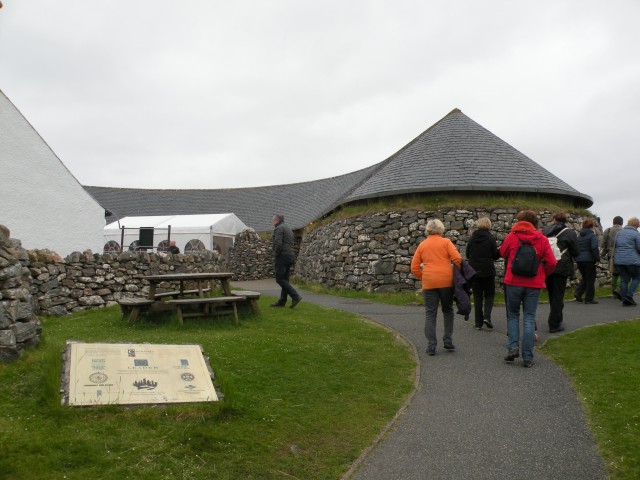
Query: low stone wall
[
  {"x": 86, "y": 280},
  {"x": 373, "y": 252},
  {"x": 251, "y": 257},
  {"x": 19, "y": 325}
]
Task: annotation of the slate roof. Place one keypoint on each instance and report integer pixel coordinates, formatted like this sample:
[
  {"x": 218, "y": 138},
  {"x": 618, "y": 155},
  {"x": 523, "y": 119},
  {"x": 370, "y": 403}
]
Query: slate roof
[
  {"x": 455, "y": 154},
  {"x": 301, "y": 203}
]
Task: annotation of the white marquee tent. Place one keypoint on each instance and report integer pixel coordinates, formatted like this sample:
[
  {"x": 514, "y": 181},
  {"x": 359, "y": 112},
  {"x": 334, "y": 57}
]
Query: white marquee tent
[{"x": 190, "y": 232}]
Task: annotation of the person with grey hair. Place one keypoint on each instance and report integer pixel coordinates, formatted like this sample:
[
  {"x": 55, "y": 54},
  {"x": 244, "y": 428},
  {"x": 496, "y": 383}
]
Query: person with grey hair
[
  {"x": 431, "y": 263},
  {"x": 627, "y": 258},
  {"x": 284, "y": 259},
  {"x": 482, "y": 252}
]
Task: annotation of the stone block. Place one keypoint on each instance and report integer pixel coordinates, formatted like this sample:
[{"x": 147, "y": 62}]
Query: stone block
[
  {"x": 7, "y": 338},
  {"x": 24, "y": 331}
]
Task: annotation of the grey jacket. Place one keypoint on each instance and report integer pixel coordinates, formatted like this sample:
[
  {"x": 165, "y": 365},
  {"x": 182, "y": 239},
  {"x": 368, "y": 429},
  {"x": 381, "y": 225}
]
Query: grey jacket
[
  {"x": 282, "y": 240},
  {"x": 609, "y": 240}
]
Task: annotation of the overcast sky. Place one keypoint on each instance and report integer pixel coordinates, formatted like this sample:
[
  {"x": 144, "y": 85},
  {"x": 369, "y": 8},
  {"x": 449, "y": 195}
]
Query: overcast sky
[{"x": 213, "y": 94}]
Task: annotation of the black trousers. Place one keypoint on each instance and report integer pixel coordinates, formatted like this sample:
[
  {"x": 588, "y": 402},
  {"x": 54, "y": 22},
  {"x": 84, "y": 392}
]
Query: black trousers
[
  {"x": 587, "y": 285},
  {"x": 556, "y": 287},
  {"x": 284, "y": 263},
  {"x": 484, "y": 291}
]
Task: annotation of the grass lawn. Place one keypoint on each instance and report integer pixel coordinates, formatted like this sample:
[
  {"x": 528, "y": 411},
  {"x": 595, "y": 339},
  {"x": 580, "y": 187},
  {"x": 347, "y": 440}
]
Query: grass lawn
[
  {"x": 306, "y": 390},
  {"x": 604, "y": 363}
]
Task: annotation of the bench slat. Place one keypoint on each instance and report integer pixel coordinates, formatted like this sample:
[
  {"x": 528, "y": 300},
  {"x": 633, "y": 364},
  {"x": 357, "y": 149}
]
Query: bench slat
[
  {"x": 252, "y": 297},
  {"x": 198, "y": 300},
  {"x": 177, "y": 293}
]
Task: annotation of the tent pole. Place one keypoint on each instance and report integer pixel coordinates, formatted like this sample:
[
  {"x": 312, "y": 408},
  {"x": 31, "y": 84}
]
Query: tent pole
[{"x": 122, "y": 240}]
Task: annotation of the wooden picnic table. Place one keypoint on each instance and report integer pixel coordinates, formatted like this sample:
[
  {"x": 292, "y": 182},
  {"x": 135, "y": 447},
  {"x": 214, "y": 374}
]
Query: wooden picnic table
[
  {"x": 183, "y": 300},
  {"x": 201, "y": 279}
]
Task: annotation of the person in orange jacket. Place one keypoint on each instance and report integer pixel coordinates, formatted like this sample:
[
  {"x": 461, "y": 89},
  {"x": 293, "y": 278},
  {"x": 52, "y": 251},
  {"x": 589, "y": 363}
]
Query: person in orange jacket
[
  {"x": 521, "y": 290},
  {"x": 431, "y": 263}
]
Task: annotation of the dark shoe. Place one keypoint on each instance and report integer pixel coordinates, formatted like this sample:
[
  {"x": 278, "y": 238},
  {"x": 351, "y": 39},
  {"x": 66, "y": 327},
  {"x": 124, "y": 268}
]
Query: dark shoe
[
  {"x": 527, "y": 363},
  {"x": 512, "y": 355},
  {"x": 592, "y": 302},
  {"x": 295, "y": 302},
  {"x": 556, "y": 329},
  {"x": 616, "y": 294},
  {"x": 449, "y": 346},
  {"x": 431, "y": 351},
  {"x": 627, "y": 302},
  {"x": 488, "y": 323},
  {"x": 579, "y": 298},
  {"x": 277, "y": 304}
]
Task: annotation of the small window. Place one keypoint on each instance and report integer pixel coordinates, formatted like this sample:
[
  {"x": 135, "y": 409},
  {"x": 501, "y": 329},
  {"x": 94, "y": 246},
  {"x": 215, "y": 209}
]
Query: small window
[
  {"x": 134, "y": 246},
  {"x": 194, "y": 246},
  {"x": 111, "y": 247},
  {"x": 163, "y": 246}
]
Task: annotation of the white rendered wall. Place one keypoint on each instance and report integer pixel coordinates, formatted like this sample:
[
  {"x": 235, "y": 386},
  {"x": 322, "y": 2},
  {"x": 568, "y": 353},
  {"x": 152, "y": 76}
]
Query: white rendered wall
[{"x": 41, "y": 202}]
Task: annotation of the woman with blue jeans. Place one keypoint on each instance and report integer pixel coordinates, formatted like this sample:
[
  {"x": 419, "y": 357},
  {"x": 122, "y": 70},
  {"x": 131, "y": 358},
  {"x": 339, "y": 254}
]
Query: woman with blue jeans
[
  {"x": 627, "y": 259},
  {"x": 523, "y": 291}
]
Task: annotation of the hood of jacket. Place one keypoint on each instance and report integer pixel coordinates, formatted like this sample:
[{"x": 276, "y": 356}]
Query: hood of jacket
[
  {"x": 480, "y": 234},
  {"x": 523, "y": 227}
]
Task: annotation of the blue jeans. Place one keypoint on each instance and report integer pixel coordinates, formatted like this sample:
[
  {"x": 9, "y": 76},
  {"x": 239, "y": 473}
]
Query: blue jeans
[
  {"x": 629, "y": 280},
  {"x": 528, "y": 298}
]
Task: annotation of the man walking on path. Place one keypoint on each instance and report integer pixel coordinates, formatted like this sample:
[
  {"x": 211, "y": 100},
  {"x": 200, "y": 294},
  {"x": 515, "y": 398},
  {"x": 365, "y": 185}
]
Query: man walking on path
[
  {"x": 285, "y": 258},
  {"x": 608, "y": 248}
]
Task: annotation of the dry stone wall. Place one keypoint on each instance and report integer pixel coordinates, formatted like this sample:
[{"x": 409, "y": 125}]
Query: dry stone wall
[
  {"x": 86, "y": 280},
  {"x": 373, "y": 252},
  {"x": 19, "y": 324},
  {"x": 251, "y": 257}
]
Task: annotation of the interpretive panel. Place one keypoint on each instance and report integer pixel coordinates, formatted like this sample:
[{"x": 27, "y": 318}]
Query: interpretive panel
[{"x": 129, "y": 374}]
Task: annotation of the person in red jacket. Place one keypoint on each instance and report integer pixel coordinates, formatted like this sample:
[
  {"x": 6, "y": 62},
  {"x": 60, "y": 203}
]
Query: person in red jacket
[{"x": 524, "y": 291}]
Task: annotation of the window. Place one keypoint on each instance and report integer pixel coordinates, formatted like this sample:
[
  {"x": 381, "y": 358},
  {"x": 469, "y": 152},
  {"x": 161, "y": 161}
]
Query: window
[
  {"x": 111, "y": 247},
  {"x": 194, "y": 246}
]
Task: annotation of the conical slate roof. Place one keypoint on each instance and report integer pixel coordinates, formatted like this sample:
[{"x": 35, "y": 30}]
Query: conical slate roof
[{"x": 457, "y": 154}]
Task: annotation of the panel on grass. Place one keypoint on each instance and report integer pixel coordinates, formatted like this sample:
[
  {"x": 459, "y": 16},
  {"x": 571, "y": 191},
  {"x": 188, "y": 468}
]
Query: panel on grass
[{"x": 131, "y": 374}]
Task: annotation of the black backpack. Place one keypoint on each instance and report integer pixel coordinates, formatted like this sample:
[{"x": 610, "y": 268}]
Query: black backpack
[{"x": 526, "y": 261}]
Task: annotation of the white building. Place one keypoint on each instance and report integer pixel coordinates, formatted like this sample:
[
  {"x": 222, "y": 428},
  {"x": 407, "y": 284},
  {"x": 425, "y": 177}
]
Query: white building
[{"x": 41, "y": 202}]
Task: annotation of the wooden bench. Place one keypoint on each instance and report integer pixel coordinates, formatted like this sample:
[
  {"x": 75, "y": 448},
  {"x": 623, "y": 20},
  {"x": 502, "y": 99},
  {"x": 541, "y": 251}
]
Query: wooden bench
[
  {"x": 132, "y": 306},
  {"x": 204, "y": 306},
  {"x": 177, "y": 293},
  {"x": 252, "y": 297}
]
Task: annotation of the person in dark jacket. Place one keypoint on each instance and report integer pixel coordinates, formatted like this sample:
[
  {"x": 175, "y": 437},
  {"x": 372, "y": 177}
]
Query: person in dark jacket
[
  {"x": 173, "y": 248},
  {"x": 284, "y": 260},
  {"x": 557, "y": 281},
  {"x": 587, "y": 259},
  {"x": 482, "y": 252},
  {"x": 607, "y": 249}
]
